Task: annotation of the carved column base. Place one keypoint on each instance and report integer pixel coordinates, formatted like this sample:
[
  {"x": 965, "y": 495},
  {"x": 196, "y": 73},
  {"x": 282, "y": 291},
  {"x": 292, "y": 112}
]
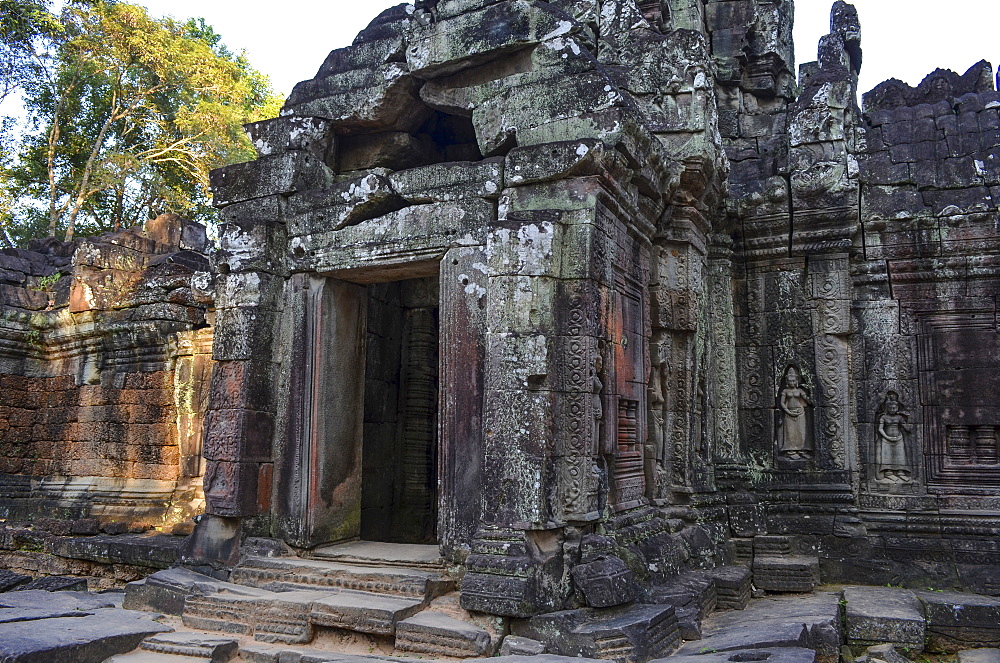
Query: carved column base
[{"x": 510, "y": 575}]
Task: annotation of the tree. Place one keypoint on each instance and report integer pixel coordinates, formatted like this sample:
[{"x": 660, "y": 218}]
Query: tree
[
  {"x": 127, "y": 119},
  {"x": 23, "y": 24}
]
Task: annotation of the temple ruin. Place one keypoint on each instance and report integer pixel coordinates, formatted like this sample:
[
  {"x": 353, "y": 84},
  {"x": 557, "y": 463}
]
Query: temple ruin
[{"x": 593, "y": 301}]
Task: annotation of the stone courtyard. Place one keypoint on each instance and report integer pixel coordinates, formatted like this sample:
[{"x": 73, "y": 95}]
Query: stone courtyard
[{"x": 582, "y": 328}]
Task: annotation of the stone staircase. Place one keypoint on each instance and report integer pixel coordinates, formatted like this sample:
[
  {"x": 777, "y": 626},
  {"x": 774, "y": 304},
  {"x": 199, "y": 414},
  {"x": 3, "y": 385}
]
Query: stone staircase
[
  {"x": 287, "y": 599},
  {"x": 777, "y": 569},
  {"x": 401, "y": 598},
  {"x": 402, "y": 601}
]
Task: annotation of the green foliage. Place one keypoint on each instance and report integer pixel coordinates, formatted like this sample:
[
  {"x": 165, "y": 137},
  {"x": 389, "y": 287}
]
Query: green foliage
[
  {"x": 23, "y": 24},
  {"x": 128, "y": 116}
]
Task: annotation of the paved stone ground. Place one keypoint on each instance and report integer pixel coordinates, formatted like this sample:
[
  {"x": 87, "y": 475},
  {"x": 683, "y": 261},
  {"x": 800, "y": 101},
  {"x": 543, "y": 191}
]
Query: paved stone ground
[{"x": 877, "y": 624}]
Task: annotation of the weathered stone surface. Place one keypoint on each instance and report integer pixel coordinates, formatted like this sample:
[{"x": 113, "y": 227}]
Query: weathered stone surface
[
  {"x": 786, "y": 573},
  {"x": 772, "y": 655},
  {"x": 9, "y": 580},
  {"x": 507, "y": 274},
  {"x": 212, "y": 648},
  {"x": 88, "y": 639},
  {"x": 54, "y": 584},
  {"x": 811, "y": 621},
  {"x": 165, "y": 591},
  {"x": 363, "y": 612},
  {"x": 979, "y": 656},
  {"x": 956, "y": 621},
  {"x": 884, "y": 615},
  {"x": 633, "y": 633},
  {"x": 514, "y": 645},
  {"x": 732, "y": 586},
  {"x": 605, "y": 582},
  {"x": 440, "y": 635}
]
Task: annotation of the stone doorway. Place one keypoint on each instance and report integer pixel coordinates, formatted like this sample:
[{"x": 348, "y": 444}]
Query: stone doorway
[{"x": 400, "y": 441}]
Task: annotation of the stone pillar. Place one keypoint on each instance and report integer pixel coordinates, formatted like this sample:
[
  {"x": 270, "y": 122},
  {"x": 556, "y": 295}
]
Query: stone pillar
[{"x": 462, "y": 310}]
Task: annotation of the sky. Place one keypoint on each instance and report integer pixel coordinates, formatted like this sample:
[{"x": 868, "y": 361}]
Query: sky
[{"x": 905, "y": 39}]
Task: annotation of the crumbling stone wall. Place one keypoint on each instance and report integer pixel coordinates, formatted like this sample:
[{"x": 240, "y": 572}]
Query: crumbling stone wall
[
  {"x": 691, "y": 304},
  {"x": 104, "y": 363}
]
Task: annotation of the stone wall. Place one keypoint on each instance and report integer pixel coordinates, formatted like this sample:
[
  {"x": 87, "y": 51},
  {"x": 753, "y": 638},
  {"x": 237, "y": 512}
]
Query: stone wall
[
  {"x": 105, "y": 355},
  {"x": 692, "y": 305}
]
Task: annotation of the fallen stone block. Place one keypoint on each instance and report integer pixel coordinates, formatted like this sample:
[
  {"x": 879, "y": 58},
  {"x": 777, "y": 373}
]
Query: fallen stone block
[
  {"x": 884, "y": 615},
  {"x": 808, "y": 621},
  {"x": 440, "y": 635},
  {"x": 225, "y": 613},
  {"x": 881, "y": 654},
  {"x": 605, "y": 582},
  {"x": 165, "y": 591},
  {"x": 771, "y": 655},
  {"x": 54, "y": 584},
  {"x": 39, "y": 599},
  {"x": 212, "y": 648},
  {"x": 786, "y": 573},
  {"x": 630, "y": 633},
  {"x": 90, "y": 639},
  {"x": 693, "y": 596},
  {"x": 10, "y": 615},
  {"x": 957, "y": 621},
  {"x": 732, "y": 586},
  {"x": 9, "y": 580},
  {"x": 517, "y": 646}
]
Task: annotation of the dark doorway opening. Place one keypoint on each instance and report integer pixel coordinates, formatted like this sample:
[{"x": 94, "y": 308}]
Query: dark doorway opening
[{"x": 400, "y": 447}]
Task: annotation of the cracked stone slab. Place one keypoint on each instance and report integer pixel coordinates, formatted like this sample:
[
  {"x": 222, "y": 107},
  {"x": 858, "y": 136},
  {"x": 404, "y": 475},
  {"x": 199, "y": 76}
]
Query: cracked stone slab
[
  {"x": 808, "y": 621},
  {"x": 884, "y": 615},
  {"x": 217, "y": 649},
  {"x": 363, "y": 612},
  {"x": 438, "y": 634},
  {"x": 956, "y": 621},
  {"x": 89, "y": 639},
  {"x": 763, "y": 655}
]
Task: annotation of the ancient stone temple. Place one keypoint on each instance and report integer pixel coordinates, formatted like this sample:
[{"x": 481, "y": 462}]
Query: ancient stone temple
[{"x": 583, "y": 296}]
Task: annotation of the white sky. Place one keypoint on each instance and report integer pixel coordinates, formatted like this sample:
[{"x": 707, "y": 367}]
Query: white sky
[{"x": 906, "y": 39}]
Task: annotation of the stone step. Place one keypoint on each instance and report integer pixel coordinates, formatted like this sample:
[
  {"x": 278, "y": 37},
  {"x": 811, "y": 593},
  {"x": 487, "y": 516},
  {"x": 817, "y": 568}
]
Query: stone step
[
  {"x": 209, "y": 647},
  {"x": 284, "y": 573},
  {"x": 957, "y": 621},
  {"x": 884, "y": 615},
  {"x": 786, "y": 573},
  {"x": 364, "y": 612},
  {"x": 253, "y": 653},
  {"x": 372, "y": 553},
  {"x": 267, "y": 616},
  {"x": 291, "y": 617},
  {"x": 732, "y": 586},
  {"x": 770, "y": 545},
  {"x": 440, "y": 635},
  {"x": 156, "y": 657}
]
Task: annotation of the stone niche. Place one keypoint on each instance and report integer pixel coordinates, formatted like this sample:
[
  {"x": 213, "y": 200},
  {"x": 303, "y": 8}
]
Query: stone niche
[{"x": 105, "y": 361}]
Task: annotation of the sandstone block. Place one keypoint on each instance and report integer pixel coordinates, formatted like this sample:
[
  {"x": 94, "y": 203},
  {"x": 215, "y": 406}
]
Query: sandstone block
[
  {"x": 786, "y": 573},
  {"x": 884, "y": 615},
  {"x": 956, "y": 621},
  {"x": 438, "y": 634}
]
